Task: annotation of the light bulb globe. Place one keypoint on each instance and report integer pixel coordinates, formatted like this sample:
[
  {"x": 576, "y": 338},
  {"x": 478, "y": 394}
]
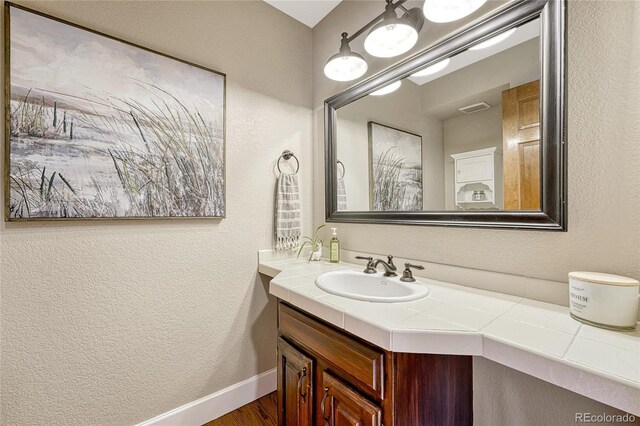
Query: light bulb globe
[
  {"x": 390, "y": 37},
  {"x": 345, "y": 66}
]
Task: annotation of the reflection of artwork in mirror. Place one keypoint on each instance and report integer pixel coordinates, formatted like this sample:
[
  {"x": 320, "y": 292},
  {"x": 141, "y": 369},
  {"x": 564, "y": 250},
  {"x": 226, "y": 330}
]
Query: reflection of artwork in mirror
[{"x": 395, "y": 169}]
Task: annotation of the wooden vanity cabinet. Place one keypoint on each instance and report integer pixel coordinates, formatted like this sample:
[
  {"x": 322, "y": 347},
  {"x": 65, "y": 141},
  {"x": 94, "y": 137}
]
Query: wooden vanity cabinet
[
  {"x": 295, "y": 386},
  {"x": 327, "y": 377}
]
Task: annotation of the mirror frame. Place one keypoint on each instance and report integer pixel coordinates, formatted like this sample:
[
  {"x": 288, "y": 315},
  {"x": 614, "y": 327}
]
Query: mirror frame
[{"x": 553, "y": 176}]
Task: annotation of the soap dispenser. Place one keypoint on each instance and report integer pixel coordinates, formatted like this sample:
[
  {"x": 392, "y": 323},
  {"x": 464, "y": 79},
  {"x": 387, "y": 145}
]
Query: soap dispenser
[{"x": 334, "y": 247}]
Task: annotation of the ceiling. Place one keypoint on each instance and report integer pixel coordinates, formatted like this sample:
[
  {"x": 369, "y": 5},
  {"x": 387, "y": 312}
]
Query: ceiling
[{"x": 309, "y": 12}]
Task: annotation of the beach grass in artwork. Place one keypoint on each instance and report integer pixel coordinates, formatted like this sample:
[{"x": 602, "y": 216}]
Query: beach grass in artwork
[
  {"x": 396, "y": 169},
  {"x": 103, "y": 129}
]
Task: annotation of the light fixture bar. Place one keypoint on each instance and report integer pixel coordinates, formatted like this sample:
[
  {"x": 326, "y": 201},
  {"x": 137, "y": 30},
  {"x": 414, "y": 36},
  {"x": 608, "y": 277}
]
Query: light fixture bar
[
  {"x": 376, "y": 19},
  {"x": 388, "y": 36}
]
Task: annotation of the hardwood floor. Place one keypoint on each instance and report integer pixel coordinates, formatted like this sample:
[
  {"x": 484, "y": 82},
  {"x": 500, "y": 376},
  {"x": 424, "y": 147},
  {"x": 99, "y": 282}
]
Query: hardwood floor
[{"x": 263, "y": 412}]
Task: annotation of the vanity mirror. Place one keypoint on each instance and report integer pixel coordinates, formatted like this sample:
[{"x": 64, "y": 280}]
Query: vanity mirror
[{"x": 469, "y": 132}]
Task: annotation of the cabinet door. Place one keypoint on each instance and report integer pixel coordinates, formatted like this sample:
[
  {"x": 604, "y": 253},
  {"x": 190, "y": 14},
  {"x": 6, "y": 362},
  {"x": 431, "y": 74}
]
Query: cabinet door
[
  {"x": 295, "y": 386},
  {"x": 474, "y": 169},
  {"x": 342, "y": 406}
]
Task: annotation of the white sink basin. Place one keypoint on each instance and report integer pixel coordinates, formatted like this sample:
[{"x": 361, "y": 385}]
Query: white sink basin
[{"x": 371, "y": 287}]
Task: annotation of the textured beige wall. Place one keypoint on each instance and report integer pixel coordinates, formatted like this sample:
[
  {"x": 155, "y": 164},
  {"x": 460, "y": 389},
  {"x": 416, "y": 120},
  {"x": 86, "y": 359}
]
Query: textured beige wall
[
  {"x": 604, "y": 174},
  {"x": 116, "y": 322}
]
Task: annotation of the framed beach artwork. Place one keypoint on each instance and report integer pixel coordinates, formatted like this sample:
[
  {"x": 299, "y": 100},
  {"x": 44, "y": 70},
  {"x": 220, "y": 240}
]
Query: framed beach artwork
[
  {"x": 395, "y": 169},
  {"x": 97, "y": 127}
]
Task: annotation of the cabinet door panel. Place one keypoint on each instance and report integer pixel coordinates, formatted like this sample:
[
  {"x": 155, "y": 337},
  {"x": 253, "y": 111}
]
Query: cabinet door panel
[
  {"x": 342, "y": 406},
  {"x": 474, "y": 169},
  {"x": 295, "y": 386}
]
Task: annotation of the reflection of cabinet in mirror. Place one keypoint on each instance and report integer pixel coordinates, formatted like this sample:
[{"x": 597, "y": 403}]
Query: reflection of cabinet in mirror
[{"x": 478, "y": 179}]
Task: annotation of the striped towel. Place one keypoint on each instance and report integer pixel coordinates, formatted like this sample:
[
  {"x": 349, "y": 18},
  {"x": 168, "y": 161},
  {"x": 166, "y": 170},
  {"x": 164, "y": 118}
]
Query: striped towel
[
  {"x": 342, "y": 195},
  {"x": 288, "y": 221}
]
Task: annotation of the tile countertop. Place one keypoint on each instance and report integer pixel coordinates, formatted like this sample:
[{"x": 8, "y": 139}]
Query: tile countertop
[{"x": 537, "y": 338}]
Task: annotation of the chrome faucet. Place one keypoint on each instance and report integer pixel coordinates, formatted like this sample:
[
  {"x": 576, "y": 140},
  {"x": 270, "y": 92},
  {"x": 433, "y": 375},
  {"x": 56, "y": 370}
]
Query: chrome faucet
[{"x": 389, "y": 268}]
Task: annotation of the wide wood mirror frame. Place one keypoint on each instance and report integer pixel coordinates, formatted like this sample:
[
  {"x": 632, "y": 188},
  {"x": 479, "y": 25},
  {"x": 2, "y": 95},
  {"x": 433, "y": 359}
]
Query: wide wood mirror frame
[{"x": 541, "y": 101}]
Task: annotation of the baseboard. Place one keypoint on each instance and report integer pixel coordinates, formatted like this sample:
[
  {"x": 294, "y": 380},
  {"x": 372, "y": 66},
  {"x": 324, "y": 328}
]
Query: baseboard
[{"x": 217, "y": 404}]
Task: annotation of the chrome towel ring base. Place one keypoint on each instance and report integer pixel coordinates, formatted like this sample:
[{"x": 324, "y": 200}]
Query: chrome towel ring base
[{"x": 286, "y": 154}]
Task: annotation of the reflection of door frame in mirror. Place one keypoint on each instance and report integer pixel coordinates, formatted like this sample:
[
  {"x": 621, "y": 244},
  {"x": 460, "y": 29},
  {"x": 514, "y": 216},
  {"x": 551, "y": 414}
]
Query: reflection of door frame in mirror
[{"x": 553, "y": 214}]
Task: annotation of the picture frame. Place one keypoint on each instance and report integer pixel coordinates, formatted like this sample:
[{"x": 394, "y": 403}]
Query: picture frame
[
  {"x": 395, "y": 169},
  {"x": 139, "y": 136}
]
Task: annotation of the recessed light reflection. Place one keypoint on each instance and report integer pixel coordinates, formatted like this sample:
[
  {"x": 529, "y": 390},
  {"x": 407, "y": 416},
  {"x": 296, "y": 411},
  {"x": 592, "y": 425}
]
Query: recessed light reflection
[
  {"x": 387, "y": 89},
  {"x": 437, "y": 67},
  {"x": 494, "y": 40}
]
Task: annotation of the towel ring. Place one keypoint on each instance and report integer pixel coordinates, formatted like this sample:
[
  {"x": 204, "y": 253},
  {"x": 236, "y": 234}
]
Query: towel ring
[
  {"x": 343, "y": 169},
  {"x": 286, "y": 154}
]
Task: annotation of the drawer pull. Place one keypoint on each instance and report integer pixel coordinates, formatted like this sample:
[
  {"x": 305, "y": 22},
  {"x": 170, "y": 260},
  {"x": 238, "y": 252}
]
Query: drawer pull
[
  {"x": 322, "y": 407},
  {"x": 302, "y": 377}
]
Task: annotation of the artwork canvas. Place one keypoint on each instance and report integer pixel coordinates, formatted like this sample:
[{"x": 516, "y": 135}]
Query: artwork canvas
[
  {"x": 395, "y": 169},
  {"x": 101, "y": 128}
]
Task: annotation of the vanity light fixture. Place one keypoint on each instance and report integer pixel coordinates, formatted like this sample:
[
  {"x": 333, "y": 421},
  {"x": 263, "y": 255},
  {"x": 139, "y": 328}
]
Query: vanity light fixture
[
  {"x": 450, "y": 10},
  {"x": 392, "y": 36},
  {"x": 387, "y": 89},
  {"x": 389, "y": 35},
  {"x": 345, "y": 65},
  {"x": 432, "y": 69},
  {"x": 494, "y": 40}
]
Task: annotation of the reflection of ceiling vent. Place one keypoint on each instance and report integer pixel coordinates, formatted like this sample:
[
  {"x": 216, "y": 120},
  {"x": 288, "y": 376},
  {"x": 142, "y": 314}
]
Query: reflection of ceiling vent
[{"x": 470, "y": 109}]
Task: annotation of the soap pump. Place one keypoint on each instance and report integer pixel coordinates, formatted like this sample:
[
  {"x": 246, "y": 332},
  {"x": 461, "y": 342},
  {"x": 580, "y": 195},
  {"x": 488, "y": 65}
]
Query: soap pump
[{"x": 334, "y": 247}]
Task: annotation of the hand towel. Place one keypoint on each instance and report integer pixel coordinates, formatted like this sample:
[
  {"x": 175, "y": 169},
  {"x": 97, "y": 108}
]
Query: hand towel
[
  {"x": 288, "y": 220},
  {"x": 342, "y": 195}
]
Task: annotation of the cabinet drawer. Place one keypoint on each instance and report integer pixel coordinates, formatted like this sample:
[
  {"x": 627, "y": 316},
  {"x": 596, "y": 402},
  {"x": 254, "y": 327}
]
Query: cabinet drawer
[{"x": 354, "y": 360}]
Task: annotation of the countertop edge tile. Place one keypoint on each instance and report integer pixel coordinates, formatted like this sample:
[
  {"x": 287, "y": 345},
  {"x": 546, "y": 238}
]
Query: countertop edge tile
[{"x": 562, "y": 373}]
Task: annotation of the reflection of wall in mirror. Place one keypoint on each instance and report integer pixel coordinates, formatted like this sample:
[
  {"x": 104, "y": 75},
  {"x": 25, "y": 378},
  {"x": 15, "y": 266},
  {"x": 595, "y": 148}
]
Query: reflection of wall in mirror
[
  {"x": 400, "y": 109},
  {"x": 469, "y": 133},
  {"x": 482, "y": 81}
]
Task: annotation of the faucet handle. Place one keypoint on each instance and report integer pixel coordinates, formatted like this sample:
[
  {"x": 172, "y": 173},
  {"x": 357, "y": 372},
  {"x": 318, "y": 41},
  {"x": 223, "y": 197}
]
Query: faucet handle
[
  {"x": 390, "y": 262},
  {"x": 409, "y": 265},
  {"x": 369, "y": 269},
  {"x": 407, "y": 275}
]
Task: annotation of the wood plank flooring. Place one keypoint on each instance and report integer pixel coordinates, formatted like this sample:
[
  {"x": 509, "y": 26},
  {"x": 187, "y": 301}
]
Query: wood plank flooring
[{"x": 263, "y": 412}]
